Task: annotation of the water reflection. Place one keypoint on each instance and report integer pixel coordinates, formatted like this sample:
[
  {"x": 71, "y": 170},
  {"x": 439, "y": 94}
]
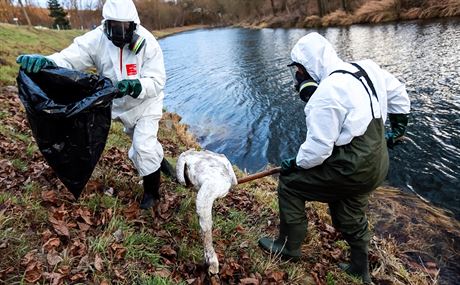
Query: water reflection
[{"x": 233, "y": 88}]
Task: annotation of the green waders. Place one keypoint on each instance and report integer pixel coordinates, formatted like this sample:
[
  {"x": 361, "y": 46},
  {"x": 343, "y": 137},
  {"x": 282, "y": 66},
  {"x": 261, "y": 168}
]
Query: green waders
[{"x": 344, "y": 181}]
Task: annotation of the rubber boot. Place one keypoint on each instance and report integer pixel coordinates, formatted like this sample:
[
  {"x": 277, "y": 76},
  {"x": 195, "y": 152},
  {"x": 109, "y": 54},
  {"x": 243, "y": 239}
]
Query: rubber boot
[
  {"x": 167, "y": 169},
  {"x": 151, "y": 190},
  {"x": 288, "y": 242},
  {"x": 359, "y": 266}
]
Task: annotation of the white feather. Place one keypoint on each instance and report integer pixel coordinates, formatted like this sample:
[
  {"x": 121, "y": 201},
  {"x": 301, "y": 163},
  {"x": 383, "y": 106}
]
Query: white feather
[{"x": 213, "y": 176}]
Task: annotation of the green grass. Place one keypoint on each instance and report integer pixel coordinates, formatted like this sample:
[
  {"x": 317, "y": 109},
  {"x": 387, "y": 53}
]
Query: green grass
[
  {"x": 117, "y": 137},
  {"x": 13, "y": 133},
  {"x": 7, "y": 196},
  {"x": 157, "y": 280},
  {"x": 17, "y": 40},
  {"x": 330, "y": 279},
  {"x": 19, "y": 164},
  {"x": 32, "y": 148},
  {"x": 142, "y": 246},
  {"x": 97, "y": 202}
]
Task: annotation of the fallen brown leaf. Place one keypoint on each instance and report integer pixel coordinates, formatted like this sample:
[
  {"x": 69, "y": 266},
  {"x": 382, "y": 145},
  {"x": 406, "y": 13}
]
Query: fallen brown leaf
[
  {"x": 132, "y": 211},
  {"x": 118, "y": 250},
  {"x": 78, "y": 276},
  {"x": 168, "y": 251},
  {"x": 98, "y": 263},
  {"x": 60, "y": 227},
  {"x": 50, "y": 196},
  {"x": 53, "y": 258},
  {"x": 78, "y": 248},
  {"x": 277, "y": 276},
  {"x": 83, "y": 227},
  {"x": 54, "y": 277},
  {"x": 249, "y": 281},
  {"x": 94, "y": 186},
  {"x": 85, "y": 214},
  {"x": 29, "y": 257},
  {"x": 33, "y": 272},
  {"x": 51, "y": 244},
  {"x": 64, "y": 270}
]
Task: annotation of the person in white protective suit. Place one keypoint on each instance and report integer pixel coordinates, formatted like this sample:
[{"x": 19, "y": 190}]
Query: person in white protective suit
[
  {"x": 345, "y": 156},
  {"x": 124, "y": 51}
]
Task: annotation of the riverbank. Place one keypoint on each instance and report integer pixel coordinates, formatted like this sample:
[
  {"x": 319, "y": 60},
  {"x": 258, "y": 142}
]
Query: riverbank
[
  {"x": 159, "y": 34},
  {"x": 103, "y": 238},
  {"x": 370, "y": 12}
]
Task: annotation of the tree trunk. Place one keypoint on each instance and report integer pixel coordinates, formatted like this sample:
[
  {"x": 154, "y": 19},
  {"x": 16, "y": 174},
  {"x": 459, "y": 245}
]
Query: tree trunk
[
  {"x": 283, "y": 5},
  {"x": 25, "y": 13},
  {"x": 273, "y": 7},
  {"x": 345, "y": 5},
  {"x": 322, "y": 7}
]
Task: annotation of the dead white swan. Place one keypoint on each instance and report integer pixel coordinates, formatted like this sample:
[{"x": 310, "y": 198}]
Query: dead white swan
[{"x": 213, "y": 176}]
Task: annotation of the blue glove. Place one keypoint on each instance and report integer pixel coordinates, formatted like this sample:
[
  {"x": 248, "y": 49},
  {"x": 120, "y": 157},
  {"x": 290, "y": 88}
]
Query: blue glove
[
  {"x": 131, "y": 87},
  {"x": 288, "y": 165},
  {"x": 34, "y": 62},
  {"x": 398, "y": 123},
  {"x": 390, "y": 138}
]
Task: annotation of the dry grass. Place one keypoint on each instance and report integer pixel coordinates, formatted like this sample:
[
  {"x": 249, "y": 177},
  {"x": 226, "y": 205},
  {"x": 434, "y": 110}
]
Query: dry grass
[
  {"x": 375, "y": 11},
  {"x": 427, "y": 237},
  {"x": 312, "y": 21},
  {"x": 443, "y": 8},
  {"x": 411, "y": 14},
  {"x": 388, "y": 264},
  {"x": 390, "y": 10},
  {"x": 378, "y": 11},
  {"x": 177, "y": 137},
  {"x": 337, "y": 18}
]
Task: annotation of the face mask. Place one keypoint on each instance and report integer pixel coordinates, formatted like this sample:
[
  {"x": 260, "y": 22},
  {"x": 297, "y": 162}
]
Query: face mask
[
  {"x": 303, "y": 83},
  {"x": 122, "y": 33}
]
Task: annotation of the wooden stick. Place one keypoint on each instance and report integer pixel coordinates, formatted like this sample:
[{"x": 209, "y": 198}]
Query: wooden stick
[{"x": 259, "y": 175}]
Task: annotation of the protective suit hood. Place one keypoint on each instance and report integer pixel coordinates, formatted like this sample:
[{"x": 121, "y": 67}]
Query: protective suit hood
[
  {"x": 317, "y": 55},
  {"x": 120, "y": 10}
]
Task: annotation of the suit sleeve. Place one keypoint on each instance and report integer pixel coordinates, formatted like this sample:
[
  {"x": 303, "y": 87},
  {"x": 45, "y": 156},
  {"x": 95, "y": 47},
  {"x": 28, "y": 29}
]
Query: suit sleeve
[
  {"x": 398, "y": 100},
  {"x": 80, "y": 54},
  {"x": 153, "y": 75},
  {"x": 324, "y": 122}
]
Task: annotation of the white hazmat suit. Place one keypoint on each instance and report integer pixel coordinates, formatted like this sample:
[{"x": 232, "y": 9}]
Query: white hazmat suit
[
  {"x": 338, "y": 111},
  {"x": 140, "y": 116}
]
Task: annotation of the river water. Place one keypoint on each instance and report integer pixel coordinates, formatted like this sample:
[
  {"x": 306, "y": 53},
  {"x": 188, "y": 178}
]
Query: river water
[{"x": 232, "y": 87}]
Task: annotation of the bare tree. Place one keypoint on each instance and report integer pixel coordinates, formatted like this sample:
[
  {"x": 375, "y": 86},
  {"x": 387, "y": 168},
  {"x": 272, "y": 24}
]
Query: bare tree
[
  {"x": 284, "y": 6},
  {"x": 273, "y": 7},
  {"x": 322, "y": 7},
  {"x": 25, "y": 13},
  {"x": 6, "y": 10},
  {"x": 345, "y": 5}
]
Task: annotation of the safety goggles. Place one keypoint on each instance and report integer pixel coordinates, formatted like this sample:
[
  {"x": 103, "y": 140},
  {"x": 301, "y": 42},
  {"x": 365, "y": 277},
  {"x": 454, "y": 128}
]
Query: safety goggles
[{"x": 119, "y": 30}]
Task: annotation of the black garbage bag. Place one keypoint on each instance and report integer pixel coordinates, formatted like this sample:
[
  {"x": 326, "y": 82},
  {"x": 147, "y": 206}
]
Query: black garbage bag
[{"x": 69, "y": 113}]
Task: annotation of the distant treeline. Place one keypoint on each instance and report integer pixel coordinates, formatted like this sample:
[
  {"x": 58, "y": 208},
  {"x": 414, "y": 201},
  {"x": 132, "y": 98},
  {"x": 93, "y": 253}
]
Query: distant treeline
[{"x": 159, "y": 14}]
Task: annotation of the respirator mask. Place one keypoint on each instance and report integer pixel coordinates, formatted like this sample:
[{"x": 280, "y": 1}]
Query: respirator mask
[
  {"x": 303, "y": 82},
  {"x": 122, "y": 33}
]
